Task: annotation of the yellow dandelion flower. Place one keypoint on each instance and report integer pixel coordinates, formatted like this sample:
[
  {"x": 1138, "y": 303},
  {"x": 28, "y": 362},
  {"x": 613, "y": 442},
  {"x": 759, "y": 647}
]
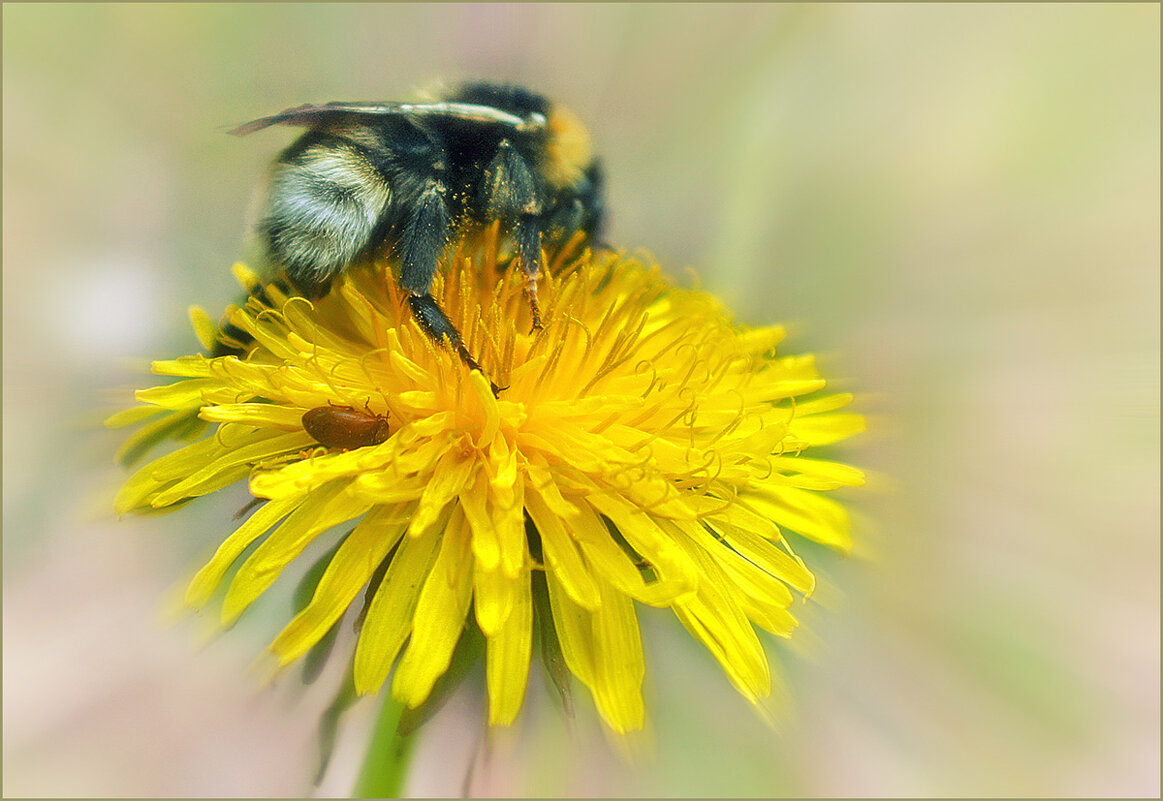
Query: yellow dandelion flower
[{"x": 643, "y": 450}]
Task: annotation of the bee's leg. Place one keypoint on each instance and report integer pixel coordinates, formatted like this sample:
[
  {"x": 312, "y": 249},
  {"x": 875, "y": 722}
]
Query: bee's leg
[
  {"x": 510, "y": 192},
  {"x": 528, "y": 235},
  {"x": 436, "y": 324},
  {"x": 423, "y": 239}
]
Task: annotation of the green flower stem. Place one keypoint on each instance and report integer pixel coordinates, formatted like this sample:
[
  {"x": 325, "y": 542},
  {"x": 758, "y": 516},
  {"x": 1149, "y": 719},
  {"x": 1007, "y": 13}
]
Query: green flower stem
[{"x": 385, "y": 768}]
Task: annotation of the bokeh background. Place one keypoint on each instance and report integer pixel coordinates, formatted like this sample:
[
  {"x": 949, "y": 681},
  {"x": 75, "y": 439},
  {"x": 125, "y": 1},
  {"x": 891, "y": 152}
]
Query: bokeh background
[{"x": 958, "y": 206}]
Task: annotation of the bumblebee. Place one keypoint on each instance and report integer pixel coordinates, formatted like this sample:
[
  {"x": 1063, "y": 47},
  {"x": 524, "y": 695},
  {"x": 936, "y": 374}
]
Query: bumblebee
[{"x": 407, "y": 181}]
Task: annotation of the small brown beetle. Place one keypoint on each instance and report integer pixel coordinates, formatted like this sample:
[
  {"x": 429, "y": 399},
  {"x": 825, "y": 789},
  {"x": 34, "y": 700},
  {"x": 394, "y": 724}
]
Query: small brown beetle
[{"x": 345, "y": 427}]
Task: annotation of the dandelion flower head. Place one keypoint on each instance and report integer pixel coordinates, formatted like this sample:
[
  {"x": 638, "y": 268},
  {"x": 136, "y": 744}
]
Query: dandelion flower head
[{"x": 643, "y": 449}]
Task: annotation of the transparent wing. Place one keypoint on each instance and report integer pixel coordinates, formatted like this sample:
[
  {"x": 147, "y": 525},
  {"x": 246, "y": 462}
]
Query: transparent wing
[{"x": 310, "y": 115}]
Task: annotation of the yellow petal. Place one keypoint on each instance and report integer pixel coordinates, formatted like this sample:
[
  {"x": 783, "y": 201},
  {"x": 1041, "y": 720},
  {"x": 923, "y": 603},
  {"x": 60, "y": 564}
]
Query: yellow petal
[
  {"x": 320, "y": 510},
  {"x": 574, "y": 632},
  {"x": 832, "y": 474},
  {"x": 494, "y": 595},
  {"x": 613, "y": 564},
  {"x": 619, "y": 664},
  {"x": 761, "y": 340},
  {"x": 826, "y": 403},
  {"x": 741, "y": 546},
  {"x": 752, "y": 576},
  {"x": 245, "y": 276},
  {"x": 448, "y": 479},
  {"x": 509, "y": 524},
  {"x": 316, "y": 470},
  {"x": 474, "y": 503},
  {"x": 197, "y": 366},
  {"x": 389, "y": 617},
  {"x": 561, "y": 554},
  {"x": 502, "y": 465},
  {"x": 508, "y": 655},
  {"x": 824, "y": 429},
  {"x": 233, "y": 463},
  {"x": 809, "y": 514},
  {"x": 179, "y": 425},
  {"x": 772, "y": 618},
  {"x": 409, "y": 369},
  {"x": 207, "y": 579},
  {"x": 542, "y": 480},
  {"x": 713, "y": 615},
  {"x": 346, "y": 574},
  {"x": 668, "y": 560},
  {"x": 163, "y": 472},
  {"x": 204, "y": 327},
  {"x": 180, "y": 395},
  {"x": 437, "y": 622},
  {"x": 488, "y": 403},
  {"x": 255, "y": 414}
]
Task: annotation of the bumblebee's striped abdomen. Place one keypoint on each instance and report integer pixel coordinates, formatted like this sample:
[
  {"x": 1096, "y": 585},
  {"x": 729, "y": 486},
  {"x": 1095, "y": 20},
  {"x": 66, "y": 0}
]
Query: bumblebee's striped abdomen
[{"x": 326, "y": 200}]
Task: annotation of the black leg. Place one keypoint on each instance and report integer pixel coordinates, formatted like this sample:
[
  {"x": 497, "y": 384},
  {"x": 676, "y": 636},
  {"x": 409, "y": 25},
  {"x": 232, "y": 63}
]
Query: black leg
[
  {"x": 509, "y": 192},
  {"x": 423, "y": 238},
  {"x": 509, "y": 188},
  {"x": 422, "y": 242},
  {"x": 436, "y": 324}
]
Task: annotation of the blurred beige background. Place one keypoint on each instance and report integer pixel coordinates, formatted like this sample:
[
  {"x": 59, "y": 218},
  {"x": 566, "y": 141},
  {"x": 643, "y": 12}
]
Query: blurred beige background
[{"x": 956, "y": 205}]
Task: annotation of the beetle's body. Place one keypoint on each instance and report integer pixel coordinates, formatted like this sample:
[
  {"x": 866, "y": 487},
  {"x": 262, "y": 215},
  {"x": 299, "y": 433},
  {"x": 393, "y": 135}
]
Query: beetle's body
[{"x": 344, "y": 427}]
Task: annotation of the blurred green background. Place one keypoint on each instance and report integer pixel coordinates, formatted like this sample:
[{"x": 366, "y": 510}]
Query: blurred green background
[{"x": 958, "y": 206}]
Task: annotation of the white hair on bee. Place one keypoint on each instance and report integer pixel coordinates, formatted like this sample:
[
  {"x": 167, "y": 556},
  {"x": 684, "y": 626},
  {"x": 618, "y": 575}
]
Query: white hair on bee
[{"x": 323, "y": 207}]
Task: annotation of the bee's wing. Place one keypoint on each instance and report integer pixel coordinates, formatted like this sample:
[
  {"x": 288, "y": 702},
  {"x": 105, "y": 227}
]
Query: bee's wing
[
  {"x": 314, "y": 114},
  {"x": 309, "y": 114}
]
